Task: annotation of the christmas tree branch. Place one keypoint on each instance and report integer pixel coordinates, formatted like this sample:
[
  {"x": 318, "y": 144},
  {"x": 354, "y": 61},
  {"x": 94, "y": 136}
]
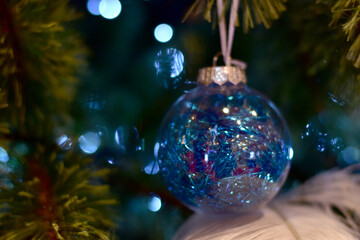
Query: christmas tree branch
[
  {"x": 55, "y": 202},
  {"x": 259, "y": 11},
  {"x": 46, "y": 193},
  {"x": 347, "y": 14},
  {"x": 322, "y": 47},
  {"x": 39, "y": 57}
]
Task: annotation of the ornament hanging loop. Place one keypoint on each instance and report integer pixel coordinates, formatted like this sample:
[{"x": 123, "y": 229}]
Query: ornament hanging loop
[
  {"x": 216, "y": 58},
  {"x": 226, "y": 40},
  {"x": 234, "y": 62}
]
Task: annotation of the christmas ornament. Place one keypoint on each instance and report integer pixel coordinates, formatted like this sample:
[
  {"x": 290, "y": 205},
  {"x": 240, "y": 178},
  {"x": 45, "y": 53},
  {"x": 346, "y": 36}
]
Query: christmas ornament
[{"x": 224, "y": 147}]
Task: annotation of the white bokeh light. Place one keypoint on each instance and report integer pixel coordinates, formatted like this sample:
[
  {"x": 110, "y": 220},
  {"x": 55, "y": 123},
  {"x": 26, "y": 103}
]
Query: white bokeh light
[
  {"x": 89, "y": 142},
  {"x": 110, "y": 9},
  {"x": 291, "y": 153},
  {"x": 93, "y": 7},
  {"x": 163, "y": 33},
  {"x": 154, "y": 204}
]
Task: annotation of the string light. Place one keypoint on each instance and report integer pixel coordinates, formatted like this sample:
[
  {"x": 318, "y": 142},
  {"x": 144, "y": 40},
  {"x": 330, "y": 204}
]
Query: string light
[
  {"x": 110, "y": 9},
  {"x": 163, "y": 33}
]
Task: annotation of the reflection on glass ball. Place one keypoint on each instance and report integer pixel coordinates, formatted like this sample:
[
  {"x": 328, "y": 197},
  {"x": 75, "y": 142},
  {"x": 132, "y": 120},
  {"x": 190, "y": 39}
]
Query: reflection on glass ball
[{"x": 224, "y": 149}]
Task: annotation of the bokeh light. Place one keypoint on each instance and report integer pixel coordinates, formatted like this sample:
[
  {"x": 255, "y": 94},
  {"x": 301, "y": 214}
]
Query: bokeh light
[
  {"x": 322, "y": 139},
  {"x": 315, "y": 136},
  {"x": 152, "y": 168},
  {"x": 351, "y": 155},
  {"x": 336, "y": 144},
  {"x": 154, "y": 204},
  {"x": 170, "y": 61},
  {"x": 163, "y": 33},
  {"x": 156, "y": 149},
  {"x": 89, "y": 142},
  {"x": 291, "y": 153},
  {"x": 120, "y": 137},
  {"x": 339, "y": 100},
  {"x": 64, "y": 142},
  {"x": 95, "y": 101},
  {"x": 128, "y": 139},
  {"x": 169, "y": 65},
  {"x": 93, "y": 7},
  {"x": 21, "y": 148},
  {"x": 110, "y": 9},
  {"x": 4, "y": 157}
]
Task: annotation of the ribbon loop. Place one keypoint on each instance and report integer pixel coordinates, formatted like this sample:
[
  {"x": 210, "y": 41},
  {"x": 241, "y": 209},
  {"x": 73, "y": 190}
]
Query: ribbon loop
[{"x": 227, "y": 40}]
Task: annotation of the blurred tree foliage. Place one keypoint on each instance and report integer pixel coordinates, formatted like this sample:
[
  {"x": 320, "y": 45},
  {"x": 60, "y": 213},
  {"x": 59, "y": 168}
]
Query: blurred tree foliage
[{"x": 45, "y": 193}]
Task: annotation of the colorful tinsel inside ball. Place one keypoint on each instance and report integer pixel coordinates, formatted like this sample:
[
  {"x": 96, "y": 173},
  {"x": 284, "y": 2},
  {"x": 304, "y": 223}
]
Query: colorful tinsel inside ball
[{"x": 224, "y": 149}]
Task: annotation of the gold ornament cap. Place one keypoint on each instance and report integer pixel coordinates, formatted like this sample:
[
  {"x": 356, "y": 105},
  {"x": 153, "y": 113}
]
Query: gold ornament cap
[{"x": 221, "y": 75}]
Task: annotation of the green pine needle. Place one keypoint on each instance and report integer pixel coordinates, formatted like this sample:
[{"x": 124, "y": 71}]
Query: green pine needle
[
  {"x": 253, "y": 11},
  {"x": 324, "y": 45},
  {"x": 62, "y": 204},
  {"x": 39, "y": 59},
  {"x": 347, "y": 14}
]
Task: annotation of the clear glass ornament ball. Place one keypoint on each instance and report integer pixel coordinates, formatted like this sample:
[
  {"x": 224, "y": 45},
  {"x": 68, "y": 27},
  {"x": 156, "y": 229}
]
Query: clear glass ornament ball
[{"x": 224, "y": 149}]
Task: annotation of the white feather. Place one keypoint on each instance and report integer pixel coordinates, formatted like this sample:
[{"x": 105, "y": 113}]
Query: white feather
[{"x": 325, "y": 207}]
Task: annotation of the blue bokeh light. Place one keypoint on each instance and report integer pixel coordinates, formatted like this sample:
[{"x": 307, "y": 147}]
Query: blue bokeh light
[
  {"x": 351, "y": 155},
  {"x": 163, "y": 33},
  {"x": 152, "y": 168},
  {"x": 4, "y": 157},
  {"x": 169, "y": 62},
  {"x": 110, "y": 9},
  {"x": 96, "y": 101},
  {"x": 93, "y": 7},
  {"x": 337, "y": 144},
  {"x": 64, "y": 142},
  {"x": 156, "y": 149},
  {"x": 89, "y": 142},
  {"x": 154, "y": 204},
  {"x": 62, "y": 139}
]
